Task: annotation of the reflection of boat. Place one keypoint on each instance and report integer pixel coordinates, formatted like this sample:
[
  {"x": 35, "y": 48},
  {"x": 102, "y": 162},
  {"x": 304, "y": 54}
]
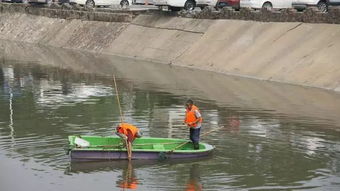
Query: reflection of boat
[
  {"x": 110, "y": 148},
  {"x": 106, "y": 165},
  {"x": 102, "y": 166}
]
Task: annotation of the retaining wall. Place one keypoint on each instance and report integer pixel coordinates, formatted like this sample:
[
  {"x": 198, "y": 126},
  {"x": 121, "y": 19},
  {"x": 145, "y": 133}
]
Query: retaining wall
[
  {"x": 70, "y": 33},
  {"x": 235, "y": 92},
  {"x": 294, "y": 52},
  {"x": 297, "y": 53}
]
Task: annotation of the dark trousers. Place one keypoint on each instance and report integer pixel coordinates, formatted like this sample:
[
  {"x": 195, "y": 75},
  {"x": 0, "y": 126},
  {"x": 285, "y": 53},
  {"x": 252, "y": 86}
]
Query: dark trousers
[{"x": 195, "y": 137}]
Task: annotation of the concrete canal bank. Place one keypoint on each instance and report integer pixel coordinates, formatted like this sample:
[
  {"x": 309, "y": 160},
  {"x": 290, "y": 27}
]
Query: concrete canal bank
[
  {"x": 294, "y": 52},
  {"x": 236, "y": 92}
]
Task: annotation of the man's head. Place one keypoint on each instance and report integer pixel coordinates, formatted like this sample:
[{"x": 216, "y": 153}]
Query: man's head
[
  {"x": 189, "y": 104},
  {"x": 118, "y": 128}
]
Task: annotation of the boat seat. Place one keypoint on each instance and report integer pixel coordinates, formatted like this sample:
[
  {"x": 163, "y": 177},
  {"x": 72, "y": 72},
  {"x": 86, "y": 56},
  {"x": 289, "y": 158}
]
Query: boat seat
[{"x": 158, "y": 147}]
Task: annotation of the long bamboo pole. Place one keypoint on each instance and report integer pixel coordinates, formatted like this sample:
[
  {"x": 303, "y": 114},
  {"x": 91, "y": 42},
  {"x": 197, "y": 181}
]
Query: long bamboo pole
[
  {"x": 118, "y": 101},
  {"x": 204, "y": 134},
  {"x": 128, "y": 145}
]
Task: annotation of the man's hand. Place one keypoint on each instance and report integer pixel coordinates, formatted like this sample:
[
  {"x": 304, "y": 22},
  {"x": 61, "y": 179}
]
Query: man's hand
[
  {"x": 121, "y": 135},
  {"x": 124, "y": 137},
  {"x": 187, "y": 124}
]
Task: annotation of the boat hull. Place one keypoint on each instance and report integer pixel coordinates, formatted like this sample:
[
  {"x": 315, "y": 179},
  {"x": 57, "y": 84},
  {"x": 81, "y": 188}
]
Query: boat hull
[
  {"x": 145, "y": 148},
  {"x": 141, "y": 155}
]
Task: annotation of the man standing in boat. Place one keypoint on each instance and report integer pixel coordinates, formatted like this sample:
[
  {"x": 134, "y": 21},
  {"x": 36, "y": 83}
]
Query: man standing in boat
[
  {"x": 193, "y": 120},
  {"x": 129, "y": 133}
]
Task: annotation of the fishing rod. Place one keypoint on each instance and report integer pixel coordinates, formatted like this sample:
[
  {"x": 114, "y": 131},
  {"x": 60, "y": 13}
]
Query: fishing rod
[
  {"x": 128, "y": 144},
  {"x": 164, "y": 155},
  {"x": 204, "y": 134},
  {"x": 118, "y": 101}
]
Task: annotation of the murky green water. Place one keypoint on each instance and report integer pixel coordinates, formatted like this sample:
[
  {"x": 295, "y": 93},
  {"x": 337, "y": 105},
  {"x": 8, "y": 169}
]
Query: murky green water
[{"x": 275, "y": 137}]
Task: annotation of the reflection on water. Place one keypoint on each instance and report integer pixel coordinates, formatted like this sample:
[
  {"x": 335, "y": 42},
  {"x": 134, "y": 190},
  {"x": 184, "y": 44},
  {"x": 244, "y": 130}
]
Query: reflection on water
[
  {"x": 128, "y": 180},
  {"x": 275, "y": 137},
  {"x": 194, "y": 182},
  {"x": 9, "y": 80}
]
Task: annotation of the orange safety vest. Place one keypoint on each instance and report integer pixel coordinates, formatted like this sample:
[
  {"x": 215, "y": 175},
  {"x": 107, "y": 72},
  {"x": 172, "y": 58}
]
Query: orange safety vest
[
  {"x": 190, "y": 116},
  {"x": 127, "y": 129}
]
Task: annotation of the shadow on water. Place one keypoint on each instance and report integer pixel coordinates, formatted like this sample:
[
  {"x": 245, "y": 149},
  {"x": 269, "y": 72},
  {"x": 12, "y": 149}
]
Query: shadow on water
[
  {"x": 194, "y": 181},
  {"x": 96, "y": 166},
  {"x": 128, "y": 178}
]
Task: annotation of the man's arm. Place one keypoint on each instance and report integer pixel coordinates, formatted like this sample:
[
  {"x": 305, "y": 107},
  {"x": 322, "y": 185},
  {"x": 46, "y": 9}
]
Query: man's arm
[
  {"x": 198, "y": 116},
  {"x": 121, "y": 135},
  {"x": 185, "y": 118}
]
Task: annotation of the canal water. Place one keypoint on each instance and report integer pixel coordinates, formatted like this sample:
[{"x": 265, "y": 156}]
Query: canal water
[{"x": 272, "y": 137}]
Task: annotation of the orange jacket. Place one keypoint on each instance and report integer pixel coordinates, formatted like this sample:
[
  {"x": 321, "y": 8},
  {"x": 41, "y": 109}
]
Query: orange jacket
[
  {"x": 127, "y": 129},
  {"x": 190, "y": 116}
]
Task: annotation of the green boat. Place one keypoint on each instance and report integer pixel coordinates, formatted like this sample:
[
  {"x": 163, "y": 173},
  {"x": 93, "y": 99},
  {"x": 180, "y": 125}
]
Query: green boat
[{"x": 92, "y": 148}]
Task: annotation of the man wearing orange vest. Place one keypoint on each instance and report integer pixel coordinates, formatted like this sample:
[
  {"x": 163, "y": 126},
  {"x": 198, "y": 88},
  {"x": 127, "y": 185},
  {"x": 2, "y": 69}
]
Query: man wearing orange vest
[
  {"x": 129, "y": 133},
  {"x": 193, "y": 120}
]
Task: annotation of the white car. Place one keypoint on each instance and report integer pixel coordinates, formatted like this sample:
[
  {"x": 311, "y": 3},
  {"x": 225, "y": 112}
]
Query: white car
[
  {"x": 322, "y": 5},
  {"x": 94, "y": 3},
  {"x": 266, "y": 4},
  {"x": 33, "y": 1},
  {"x": 176, "y": 5},
  {"x": 142, "y": 2}
]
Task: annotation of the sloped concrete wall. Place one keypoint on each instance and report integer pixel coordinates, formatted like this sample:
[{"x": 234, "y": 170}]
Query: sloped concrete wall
[
  {"x": 306, "y": 54},
  {"x": 73, "y": 34},
  {"x": 287, "y": 101},
  {"x": 159, "y": 39},
  {"x": 297, "y": 53}
]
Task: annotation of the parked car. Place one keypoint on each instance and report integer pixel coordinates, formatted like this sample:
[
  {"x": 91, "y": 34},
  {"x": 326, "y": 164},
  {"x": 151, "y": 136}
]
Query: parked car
[
  {"x": 94, "y": 3},
  {"x": 235, "y": 4},
  {"x": 40, "y": 1},
  {"x": 142, "y": 2},
  {"x": 37, "y": 1},
  {"x": 322, "y": 5},
  {"x": 12, "y": 1},
  {"x": 176, "y": 5},
  {"x": 266, "y": 4}
]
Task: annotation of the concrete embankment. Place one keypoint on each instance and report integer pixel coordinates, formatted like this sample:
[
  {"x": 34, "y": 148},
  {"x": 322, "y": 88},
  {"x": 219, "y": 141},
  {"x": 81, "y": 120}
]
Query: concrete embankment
[
  {"x": 297, "y": 53},
  {"x": 297, "y": 103}
]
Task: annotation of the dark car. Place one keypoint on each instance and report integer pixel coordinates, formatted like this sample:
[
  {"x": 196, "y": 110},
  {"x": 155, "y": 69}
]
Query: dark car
[
  {"x": 228, "y": 3},
  {"x": 322, "y": 5}
]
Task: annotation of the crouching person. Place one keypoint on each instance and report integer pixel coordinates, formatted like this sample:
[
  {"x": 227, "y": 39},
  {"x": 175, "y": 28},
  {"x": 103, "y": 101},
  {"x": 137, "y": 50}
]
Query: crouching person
[{"x": 129, "y": 133}]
